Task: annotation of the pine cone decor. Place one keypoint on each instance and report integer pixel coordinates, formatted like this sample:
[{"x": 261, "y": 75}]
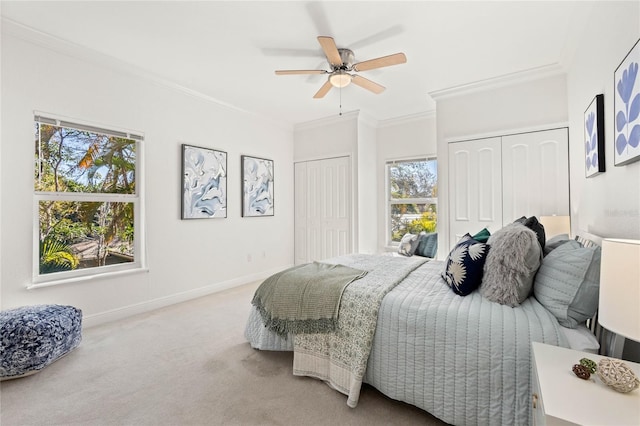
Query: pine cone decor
[
  {"x": 618, "y": 375},
  {"x": 581, "y": 371}
]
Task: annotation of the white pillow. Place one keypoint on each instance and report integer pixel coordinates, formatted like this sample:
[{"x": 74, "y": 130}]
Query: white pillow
[
  {"x": 581, "y": 339},
  {"x": 408, "y": 244}
]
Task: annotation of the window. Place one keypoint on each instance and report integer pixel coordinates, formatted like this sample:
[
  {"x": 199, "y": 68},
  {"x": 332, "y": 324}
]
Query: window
[
  {"x": 87, "y": 201},
  {"x": 413, "y": 188}
]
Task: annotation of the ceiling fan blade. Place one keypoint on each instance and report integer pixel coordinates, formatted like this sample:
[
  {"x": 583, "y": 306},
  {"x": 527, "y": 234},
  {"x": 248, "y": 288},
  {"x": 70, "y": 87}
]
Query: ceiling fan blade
[
  {"x": 330, "y": 50},
  {"x": 323, "y": 90},
  {"x": 384, "y": 61},
  {"x": 367, "y": 84},
  {"x": 294, "y": 72}
]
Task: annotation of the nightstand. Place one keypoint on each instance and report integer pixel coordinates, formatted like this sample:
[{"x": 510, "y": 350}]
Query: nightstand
[{"x": 561, "y": 398}]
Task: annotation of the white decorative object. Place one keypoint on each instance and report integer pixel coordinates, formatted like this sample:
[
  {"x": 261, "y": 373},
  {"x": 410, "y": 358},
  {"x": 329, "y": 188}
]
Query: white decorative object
[
  {"x": 618, "y": 375},
  {"x": 619, "y": 306}
]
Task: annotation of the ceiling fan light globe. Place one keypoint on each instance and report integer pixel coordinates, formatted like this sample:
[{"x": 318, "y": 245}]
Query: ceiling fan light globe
[{"x": 340, "y": 79}]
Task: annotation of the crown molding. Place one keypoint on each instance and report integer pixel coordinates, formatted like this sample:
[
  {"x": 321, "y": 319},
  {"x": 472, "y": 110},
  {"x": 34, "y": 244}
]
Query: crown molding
[
  {"x": 325, "y": 121},
  {"x": 77, "y": 51},
  {"x": 500, "y": 81},
  {"x": 396, "y": 121},
  {"x": 367, "y": 119},
  {"x": 507, "y": 132}
]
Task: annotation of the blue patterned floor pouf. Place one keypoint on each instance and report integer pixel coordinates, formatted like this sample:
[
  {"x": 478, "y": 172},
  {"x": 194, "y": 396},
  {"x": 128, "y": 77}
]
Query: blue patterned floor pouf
[{"x": 33, "y": 337}]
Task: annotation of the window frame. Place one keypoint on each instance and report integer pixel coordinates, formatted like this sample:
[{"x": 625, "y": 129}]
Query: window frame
[
  {"x": 137, "y": 199},
  {"x": 390, "y": 201}
]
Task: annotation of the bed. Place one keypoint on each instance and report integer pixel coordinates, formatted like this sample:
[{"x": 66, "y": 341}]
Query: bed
[{"x": 465, "y": 359}]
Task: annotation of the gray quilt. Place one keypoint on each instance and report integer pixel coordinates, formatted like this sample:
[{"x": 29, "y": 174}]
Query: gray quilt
[{"x": 465, "y": 360}]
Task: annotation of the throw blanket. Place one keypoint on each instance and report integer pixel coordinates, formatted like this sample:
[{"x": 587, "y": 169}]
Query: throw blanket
[
  {"x": 340, "y": 358},
  {"x": 305, "y": 298}
]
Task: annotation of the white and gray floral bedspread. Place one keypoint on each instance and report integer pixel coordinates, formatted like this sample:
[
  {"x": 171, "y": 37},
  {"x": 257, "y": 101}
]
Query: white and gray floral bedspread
[
  {"x": 465, "y": 360},
  {"x": 340, "y": 357}
]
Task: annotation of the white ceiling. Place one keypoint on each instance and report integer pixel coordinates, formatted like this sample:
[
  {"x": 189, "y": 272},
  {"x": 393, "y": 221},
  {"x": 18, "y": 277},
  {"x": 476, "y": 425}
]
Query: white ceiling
[{"x": 228, "y": 50}]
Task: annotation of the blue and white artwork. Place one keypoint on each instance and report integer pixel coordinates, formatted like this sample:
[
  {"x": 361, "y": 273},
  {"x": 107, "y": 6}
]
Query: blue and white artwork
[
  {"x": 204, "y": 183},
  {"x": 627, "y": 109},
  {"x": 257, "y": 186},
  {"x": 594, "y": 137}
]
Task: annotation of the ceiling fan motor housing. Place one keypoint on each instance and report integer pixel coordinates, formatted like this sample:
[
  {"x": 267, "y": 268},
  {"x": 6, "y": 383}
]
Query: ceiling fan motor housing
[{"x": 347, "y": 58}]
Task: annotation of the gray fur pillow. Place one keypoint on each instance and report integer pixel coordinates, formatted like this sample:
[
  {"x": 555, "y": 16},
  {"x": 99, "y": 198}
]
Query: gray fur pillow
[{"x": 511, "y": 265}]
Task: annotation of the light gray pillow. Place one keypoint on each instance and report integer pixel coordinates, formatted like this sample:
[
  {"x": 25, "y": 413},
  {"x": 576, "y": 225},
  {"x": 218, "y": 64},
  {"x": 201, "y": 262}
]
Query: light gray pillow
[
  {"x": 555, "y": 242},
  {"x": 408, "y": 244},
  {"x": 511, "y": 265},
  {"x": 568, "y": 283}
]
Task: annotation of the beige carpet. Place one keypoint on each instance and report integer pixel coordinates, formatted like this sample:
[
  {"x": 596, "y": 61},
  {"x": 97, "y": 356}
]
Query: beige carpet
[{"x": 186, "y": 364}]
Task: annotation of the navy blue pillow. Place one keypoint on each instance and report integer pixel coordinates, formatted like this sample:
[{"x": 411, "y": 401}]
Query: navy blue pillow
[
  {"x": 428, "y": 245},
  {"x": 464, "y": 268}
]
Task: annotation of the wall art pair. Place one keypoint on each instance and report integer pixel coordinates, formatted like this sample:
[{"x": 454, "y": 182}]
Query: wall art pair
[
  {"x": 626, "y": 107},
  {"x": 204, "y": 184}
]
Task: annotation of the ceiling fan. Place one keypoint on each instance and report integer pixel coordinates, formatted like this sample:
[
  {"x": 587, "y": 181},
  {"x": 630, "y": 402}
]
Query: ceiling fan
[{"x": 342, "y": 68}]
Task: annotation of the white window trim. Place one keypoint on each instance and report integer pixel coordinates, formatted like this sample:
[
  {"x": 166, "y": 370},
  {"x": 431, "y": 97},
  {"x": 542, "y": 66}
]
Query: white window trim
[
  {"x": 140, "y": 259},
  {"x": 392, "y": 201}
]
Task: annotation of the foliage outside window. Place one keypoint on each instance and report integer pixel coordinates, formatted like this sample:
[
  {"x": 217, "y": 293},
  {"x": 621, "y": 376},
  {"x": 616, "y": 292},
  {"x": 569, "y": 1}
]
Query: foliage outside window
[
  {"x": 87, "y": 202},
  {"x": 413, "y": 191}
]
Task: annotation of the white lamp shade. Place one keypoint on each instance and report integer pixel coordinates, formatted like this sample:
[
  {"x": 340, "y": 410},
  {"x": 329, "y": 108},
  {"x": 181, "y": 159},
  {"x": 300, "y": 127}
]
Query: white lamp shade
[
  {"x": 619, "y": 307},
  {"x": 555, "y": 225}
]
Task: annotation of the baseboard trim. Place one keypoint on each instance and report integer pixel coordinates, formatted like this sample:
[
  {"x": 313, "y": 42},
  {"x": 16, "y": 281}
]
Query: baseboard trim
[{"x": 151, "y": 305}]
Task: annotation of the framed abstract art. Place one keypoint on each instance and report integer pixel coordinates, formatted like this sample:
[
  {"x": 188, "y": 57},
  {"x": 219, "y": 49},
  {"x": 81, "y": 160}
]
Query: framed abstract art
[
  {"x": 204, "y": 183},
  {"x": 257, "y": 186},
  {"x": 594, "y": 137},
  {"x": 626, "y": 107}
]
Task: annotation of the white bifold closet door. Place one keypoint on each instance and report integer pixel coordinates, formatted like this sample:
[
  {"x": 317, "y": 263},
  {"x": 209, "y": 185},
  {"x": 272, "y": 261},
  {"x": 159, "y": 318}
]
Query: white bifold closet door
[
  {"x": 494, "y": 181},
  {"x": 475, "y": 182},
  {"x": 535, "y": 174},
  {"x": 322, "y": 209}
]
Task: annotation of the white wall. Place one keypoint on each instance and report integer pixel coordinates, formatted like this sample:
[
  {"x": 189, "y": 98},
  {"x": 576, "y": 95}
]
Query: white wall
[
  {"x": 402, "y": 138},
  {"x": 330, "y": 137},
  {"x": 493, "y": 109},
  {"x": 1, "y": 96},
  {"x": 351, "y": 135},
  {"x": 607, "y": 204},
  {"x": 366, "y": 190},
  {"x": 185, "y": 258}
]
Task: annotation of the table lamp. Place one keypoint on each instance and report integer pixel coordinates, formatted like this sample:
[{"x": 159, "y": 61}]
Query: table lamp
[
  {"x": 555, "y": 225},
  {"x": 619, "y": 304}
]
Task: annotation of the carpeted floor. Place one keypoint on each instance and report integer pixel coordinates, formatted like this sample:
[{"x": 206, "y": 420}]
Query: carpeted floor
[{"x": 186, "y": 364}]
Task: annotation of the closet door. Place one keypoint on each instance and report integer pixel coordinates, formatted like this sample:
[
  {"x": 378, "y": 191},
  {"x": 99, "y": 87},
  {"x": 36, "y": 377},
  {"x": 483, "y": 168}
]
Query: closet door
[
  {"x": 322, "y": 209},
  {"x": 535, "y": 174},
  {"x": 475, "y": 182},
  {"x": 313, "y": 199},
  {"x": 336, "y": 207},
  {"x": 300, "y": 216}
]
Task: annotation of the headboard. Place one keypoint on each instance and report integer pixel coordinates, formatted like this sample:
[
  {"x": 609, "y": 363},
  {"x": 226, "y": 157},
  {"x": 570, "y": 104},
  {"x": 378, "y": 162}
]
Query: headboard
[{"x": 588, "y": 240}]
